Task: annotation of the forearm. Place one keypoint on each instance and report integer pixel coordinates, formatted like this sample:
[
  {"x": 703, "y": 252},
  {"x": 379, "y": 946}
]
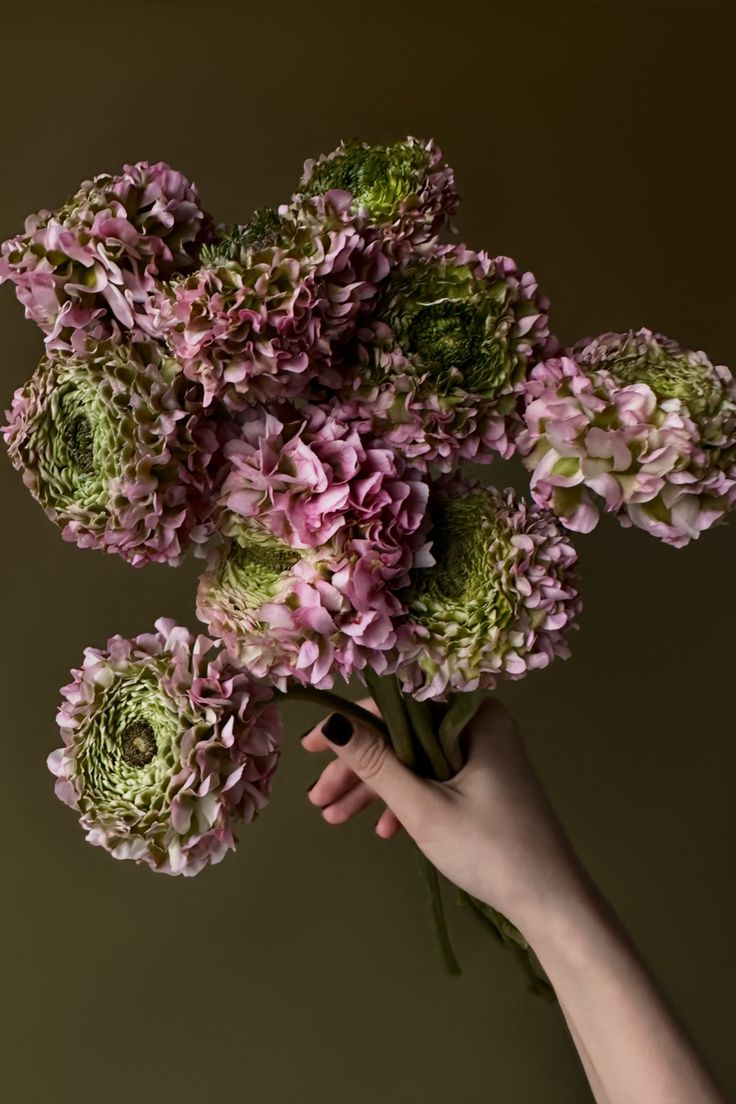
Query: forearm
[{"x": 627, "y": 1035}]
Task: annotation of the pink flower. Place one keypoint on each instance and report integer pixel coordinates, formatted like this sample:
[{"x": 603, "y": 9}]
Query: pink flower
[
  {"x": 260, "y": 327},
  {"x": 91, "y": 268},
  {"x": 439, "y": 372},
  {"x": 167, "y": 748},
  {"x": 638, "y": 426}
]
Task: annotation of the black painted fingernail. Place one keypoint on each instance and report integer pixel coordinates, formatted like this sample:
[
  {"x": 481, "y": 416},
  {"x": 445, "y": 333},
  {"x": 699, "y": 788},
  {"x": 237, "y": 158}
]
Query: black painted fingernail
[
  {"x": 337, "y": 729},
  {"x": 314, "y": 783},
  {"x": 305, "y": 733}
]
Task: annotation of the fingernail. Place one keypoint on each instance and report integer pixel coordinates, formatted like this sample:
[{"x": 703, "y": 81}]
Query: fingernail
[
  {"x": 309, "y": 788},
  {"x": 305, "y": 733},
  {"x": 337, "y": 729}
]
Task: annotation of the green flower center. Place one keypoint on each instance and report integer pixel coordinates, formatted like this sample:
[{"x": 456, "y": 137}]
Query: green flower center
[
  {"x": 79, "y": 440},
  {"x": 254, "y": 568},
  {"x": 138, "y": 741},
  {"x": 672, "y": 377},
  {"x": 131, "y": 750},
  {"x": 378, "y": 177},
  {"x": 468, "y": 583},
  {"x": 452, "y": 325}
]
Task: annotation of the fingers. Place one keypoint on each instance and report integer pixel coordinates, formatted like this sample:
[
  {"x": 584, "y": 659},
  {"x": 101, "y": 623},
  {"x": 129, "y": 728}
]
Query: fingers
[
  {"x": 347, "y": 806},
  {"x": 335, "y": 781},
  {"x": 387, "y": 825}
]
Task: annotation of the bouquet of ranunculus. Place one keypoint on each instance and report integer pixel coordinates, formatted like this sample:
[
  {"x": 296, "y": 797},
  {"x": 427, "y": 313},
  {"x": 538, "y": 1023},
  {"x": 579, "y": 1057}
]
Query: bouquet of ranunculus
[{"x": 294, "y": 399}]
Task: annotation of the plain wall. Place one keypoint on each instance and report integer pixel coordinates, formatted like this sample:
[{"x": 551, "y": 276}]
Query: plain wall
[{"x": 595, "y": 145}]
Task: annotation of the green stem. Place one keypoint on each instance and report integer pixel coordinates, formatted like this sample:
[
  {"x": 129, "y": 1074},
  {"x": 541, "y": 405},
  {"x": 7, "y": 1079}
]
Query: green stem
[
  {"x": 439, "y": 925},
  {"x": 394, "y": 706},
  {"x": 422, "y": 722},
  {"x": 389, "y": 699},
  {"x": 335, "y": 704},
  {"x": 504, "y": 931}
]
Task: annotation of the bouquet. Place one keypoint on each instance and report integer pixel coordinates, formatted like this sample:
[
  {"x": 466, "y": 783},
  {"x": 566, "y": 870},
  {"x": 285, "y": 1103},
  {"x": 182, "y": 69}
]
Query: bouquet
[{"x": 295, "y": 400}]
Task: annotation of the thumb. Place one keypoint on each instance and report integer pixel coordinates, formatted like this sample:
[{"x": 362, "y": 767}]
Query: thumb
[{"x": 374, "y": 761}]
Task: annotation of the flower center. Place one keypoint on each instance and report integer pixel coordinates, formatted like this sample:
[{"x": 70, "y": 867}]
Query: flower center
[
  {"x": 79, "y": 440},
  {"x": 255, "y": 568},
  {"x": 378, "y": 177},
  {"x": 448, "y": 335},
  {"x": 262, "y": 230},
  {"x": 469, "y": 548},
  {"x": 138, "y": 741},
  {"x": 694, "y": 383}
]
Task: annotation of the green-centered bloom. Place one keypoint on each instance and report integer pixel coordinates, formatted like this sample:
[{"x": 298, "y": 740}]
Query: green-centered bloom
[
  {"x": 440, "y": 375},
  {"x": 406, "y": 187},
  {"x": 167, "y": 747},
  {"x": 113, "y": 445},
  {"x": 497, "y": 600}
]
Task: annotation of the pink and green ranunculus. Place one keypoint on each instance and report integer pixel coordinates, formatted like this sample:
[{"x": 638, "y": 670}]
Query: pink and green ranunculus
[
  {"x": 498, "y": 599},
  {"x": 167, "y": 749},
  {"x": 636, "y": 426},
  {"x": 92, "y": 267}
]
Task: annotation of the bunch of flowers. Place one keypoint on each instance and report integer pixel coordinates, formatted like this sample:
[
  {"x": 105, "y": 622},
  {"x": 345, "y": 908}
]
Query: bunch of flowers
[{"x": 294, "y": 398}]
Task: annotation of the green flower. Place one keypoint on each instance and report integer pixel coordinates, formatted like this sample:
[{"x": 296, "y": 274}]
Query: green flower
[
  {"x": 405, "y": 187},
  {"x": 456, "y": 323},
  {"x": 498, "y": 598},
  {"x": 112, "y": 444}
]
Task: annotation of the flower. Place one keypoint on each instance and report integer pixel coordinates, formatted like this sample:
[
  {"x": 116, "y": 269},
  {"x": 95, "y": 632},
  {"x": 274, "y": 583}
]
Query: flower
[
  {"x": 406, "y": 188},
  {"x": 308, "y": 474},
  {"x": 113, "y": 445},
  {"x": 323, "y": 528},
  {"x": 258, "y": 321},
  {"x": 90, "y": 268},
  {"x": 498, "y": 599},
  {"x": 284, "y": 612},
  {"x": 167, "y": 747},
  {"x": 440, "y": 374},
  {"x": 636, "y": 425}
]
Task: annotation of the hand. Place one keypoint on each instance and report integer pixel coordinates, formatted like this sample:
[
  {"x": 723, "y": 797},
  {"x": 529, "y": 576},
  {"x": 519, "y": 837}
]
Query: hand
[{"x": 491, "y": 829}]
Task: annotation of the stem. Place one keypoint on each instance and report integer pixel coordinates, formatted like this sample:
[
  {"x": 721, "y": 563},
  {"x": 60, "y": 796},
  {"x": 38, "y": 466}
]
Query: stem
[
  {"x": 422, "y": 722},
  {"x": 452, "y": 966},
  {"x": 336, "y": 704},
  {"x": 395, "y": 708},
  {"x": 497, "y": 924},
  {"x": 389, "y": 699}
]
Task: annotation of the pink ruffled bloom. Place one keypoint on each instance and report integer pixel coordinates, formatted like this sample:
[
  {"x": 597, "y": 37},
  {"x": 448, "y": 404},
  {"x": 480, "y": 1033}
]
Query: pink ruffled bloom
[
  {"x": 90, "y": 269},
  {"x": 262, "y": 327},
  {"x": 167, "y": 748},
  {"x": 114, "y": 446},
  {"x": 324, "y": 528},
  {"x": 439, "y": 373},
  {"x": 632, "y": 424}
]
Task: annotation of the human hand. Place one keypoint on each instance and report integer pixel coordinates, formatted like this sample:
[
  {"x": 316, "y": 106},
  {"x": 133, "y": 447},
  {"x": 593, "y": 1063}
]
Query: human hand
[{"x": 490, "y": 829}]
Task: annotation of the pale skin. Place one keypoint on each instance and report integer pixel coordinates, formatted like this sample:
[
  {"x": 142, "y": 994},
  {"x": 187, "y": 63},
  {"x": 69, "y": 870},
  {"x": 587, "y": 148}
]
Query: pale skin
[{"x": 492, "y": 831}]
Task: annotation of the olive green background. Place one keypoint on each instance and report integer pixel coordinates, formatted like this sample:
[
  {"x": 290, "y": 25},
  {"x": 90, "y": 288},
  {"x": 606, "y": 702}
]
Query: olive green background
[{"x": 595, "y": 145}]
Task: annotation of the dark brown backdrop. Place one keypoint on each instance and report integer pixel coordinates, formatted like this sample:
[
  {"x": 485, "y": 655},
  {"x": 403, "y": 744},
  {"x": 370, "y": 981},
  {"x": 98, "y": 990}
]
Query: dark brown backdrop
[{"x": 594, "y": 144}]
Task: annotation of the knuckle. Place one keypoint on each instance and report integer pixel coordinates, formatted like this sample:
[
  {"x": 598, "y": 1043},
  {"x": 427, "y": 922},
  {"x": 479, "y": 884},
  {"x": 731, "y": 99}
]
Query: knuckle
[{"x": 370, "y": 759}]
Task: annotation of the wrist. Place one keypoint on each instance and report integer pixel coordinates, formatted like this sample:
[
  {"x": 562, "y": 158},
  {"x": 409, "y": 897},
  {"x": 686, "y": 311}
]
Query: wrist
[{"x": 553, "y": 914}]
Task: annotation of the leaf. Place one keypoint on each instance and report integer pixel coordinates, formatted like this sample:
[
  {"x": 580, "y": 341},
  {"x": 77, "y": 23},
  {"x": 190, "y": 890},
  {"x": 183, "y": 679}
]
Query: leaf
[{"x": 460, "y": 713}]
